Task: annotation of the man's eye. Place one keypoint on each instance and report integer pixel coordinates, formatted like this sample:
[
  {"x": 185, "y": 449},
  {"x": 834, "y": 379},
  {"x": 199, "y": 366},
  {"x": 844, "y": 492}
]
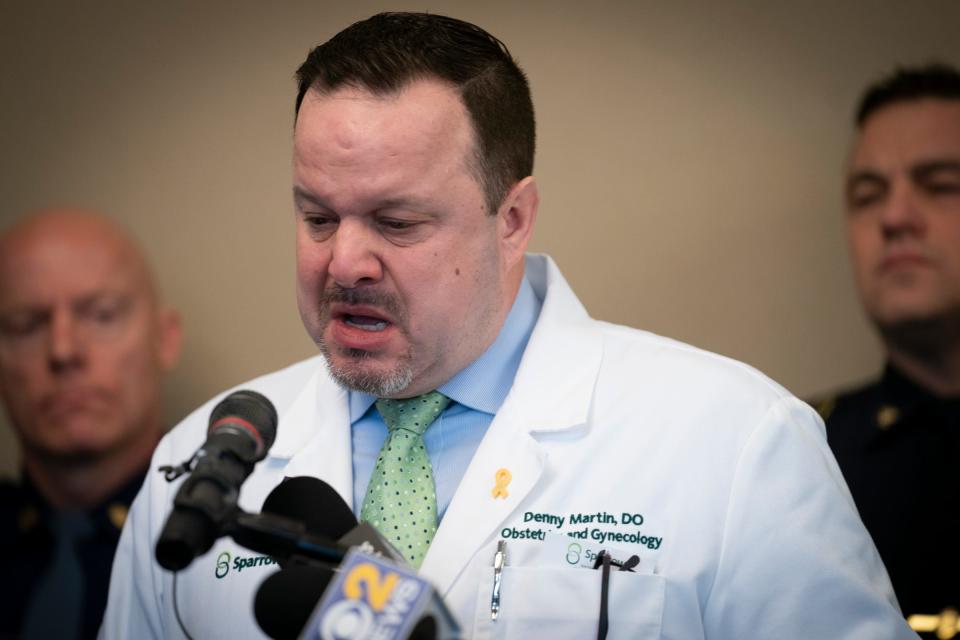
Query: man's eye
[
  {"x": 942, "y": 187},
  {"x": 104, "y": 315},
  {"x": 105, "y": 312},
  {"x": 863, "y": 199},
  {"x": 865, "y": 189},
  {"x": 319, "y": 222},
  {"x": 397, "y": 225},
  {"x": 21, "y": 324},
  {"x": 320, "y": 227}
]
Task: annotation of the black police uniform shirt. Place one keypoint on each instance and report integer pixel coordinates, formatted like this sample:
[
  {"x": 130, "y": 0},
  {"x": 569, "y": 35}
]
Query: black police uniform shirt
[
  {"x": 899, "y": 447},
  {"x": 29, "y": 547}
]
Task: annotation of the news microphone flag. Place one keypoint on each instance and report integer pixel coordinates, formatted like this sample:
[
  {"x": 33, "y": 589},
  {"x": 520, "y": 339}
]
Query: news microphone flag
[{"x": 370, "y": 597}]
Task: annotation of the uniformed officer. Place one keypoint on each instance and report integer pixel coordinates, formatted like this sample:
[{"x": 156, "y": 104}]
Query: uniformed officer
[
  {"x": 83, "y": 343},
  {"x": 898, "y": 439}
]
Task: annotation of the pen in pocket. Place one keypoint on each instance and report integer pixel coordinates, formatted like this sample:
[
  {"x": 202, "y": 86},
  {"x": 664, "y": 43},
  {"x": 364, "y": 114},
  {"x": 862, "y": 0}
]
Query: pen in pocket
[{"x": 498, "y": 561}]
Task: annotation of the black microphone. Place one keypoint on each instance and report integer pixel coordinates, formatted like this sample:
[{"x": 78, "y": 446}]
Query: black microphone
[
  {"x": 312, "y": 502},
  {"x": 297, "y": 516},
  {"x": 286, "y": 599},
  {"x": 242, "y": 429},
  {"x": 324, "y": 514},
  {"x": 299, "y": 522}
]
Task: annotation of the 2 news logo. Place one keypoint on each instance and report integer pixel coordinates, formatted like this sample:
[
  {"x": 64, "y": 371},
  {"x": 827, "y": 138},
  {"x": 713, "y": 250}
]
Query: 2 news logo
[
  {"x": 369, "y": 599},
  {"x": 366, "y": 592}
]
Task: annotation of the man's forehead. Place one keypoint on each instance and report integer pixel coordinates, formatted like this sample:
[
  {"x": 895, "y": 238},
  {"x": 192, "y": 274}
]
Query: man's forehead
[
  {"x": 352, "y": 139},
  {"x": 353, "y": 114},
  {"x": 904, "y": 133},
  {"x": 46, "y": 267},
  {"x": 355, "y": 91}
]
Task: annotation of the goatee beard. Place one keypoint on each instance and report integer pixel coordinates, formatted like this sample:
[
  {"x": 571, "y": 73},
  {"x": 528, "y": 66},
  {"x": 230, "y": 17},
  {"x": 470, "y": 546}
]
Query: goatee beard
[
  {"x": 354, "y": 370},
  {"x": 355, "y": 376}
]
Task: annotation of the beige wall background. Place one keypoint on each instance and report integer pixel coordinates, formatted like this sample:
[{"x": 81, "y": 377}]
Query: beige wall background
[{"x": 689, "y": 158}]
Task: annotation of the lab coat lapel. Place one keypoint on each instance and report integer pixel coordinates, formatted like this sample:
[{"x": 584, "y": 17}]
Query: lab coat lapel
[
  {"x": 474, "y": 514},
  {"x": 552, "y": 392},
  {"x": 319, "y": 445}
]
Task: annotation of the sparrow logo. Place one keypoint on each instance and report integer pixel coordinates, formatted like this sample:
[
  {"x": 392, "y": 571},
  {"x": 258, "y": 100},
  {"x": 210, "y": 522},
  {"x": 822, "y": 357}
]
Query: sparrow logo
[
  {"x": 239, "y": 563},
  {"x": 223, "y": 564}
]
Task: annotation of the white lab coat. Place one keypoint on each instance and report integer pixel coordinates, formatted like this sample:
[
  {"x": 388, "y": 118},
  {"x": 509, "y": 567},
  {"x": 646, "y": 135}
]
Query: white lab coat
[{"x": 739, "y": 515}]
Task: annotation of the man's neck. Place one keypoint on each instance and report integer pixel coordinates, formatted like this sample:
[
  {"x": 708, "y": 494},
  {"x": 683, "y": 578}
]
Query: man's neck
[
  {"x": 935, "y": 368},
  {"x": 86, "y": 483}
]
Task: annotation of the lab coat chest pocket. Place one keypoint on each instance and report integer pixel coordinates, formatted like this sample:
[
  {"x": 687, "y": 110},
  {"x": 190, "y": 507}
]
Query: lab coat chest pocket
[{"x": 564, "y": 602}]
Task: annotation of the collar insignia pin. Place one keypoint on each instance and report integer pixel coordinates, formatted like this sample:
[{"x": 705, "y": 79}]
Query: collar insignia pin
[
  {"x": 117, "y": 513},
  {"x": 887, "y": 416}
]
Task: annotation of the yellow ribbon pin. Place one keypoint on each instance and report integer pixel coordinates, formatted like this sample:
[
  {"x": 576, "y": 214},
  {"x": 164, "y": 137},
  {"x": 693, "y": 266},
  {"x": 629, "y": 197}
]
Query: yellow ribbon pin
[{"x": 502, "y": 479}]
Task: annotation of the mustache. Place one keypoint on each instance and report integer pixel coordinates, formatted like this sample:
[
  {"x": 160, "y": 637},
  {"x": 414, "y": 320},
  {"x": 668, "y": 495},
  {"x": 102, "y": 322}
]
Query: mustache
[{"x": 362, "y": 296}]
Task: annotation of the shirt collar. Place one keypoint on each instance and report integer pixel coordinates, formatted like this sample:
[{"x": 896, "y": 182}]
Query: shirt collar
[{"x": 483, "y": 384}]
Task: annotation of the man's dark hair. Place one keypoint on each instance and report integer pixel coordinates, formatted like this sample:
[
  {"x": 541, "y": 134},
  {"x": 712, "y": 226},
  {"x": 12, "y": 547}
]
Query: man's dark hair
[
  {"x": 385, "y": 53},
  {"x": 906, "y": 84}
]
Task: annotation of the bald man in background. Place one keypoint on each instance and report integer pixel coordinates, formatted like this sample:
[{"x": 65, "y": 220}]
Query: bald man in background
[{"x": 84, "y": 343}]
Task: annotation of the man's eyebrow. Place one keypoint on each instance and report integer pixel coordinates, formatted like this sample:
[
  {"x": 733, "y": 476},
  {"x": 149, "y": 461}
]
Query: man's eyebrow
[
  {"x": 122, "y": 298},
  {"x": 926, "y": 168},
  {"x": 302, "y": 195},
  {"x": 402, "y": 202}
]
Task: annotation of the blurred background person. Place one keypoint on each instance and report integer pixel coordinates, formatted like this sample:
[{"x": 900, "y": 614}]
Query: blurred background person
[
  {"x": 897, "y": 439},
  {"x": 84, "y": 341}
]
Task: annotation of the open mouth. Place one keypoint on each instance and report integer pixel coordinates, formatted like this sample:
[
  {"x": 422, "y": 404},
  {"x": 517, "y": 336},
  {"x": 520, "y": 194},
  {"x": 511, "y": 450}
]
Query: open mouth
[
  {"x": 365, "y": 323},
  {"x": 369, "y": 327}
]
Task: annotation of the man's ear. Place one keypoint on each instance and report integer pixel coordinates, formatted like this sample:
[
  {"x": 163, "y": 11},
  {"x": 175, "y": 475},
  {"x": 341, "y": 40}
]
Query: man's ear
[
  {"x": 170, "y": 338},
  {"x": 515, "y": 219}
]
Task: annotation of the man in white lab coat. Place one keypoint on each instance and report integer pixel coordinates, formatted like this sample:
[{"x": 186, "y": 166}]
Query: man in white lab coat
[{"x": 560, "y": 436}]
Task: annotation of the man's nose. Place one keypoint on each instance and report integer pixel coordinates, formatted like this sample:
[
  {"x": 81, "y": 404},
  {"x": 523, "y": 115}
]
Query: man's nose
[
  {"x": 902, "y": 212},
  {"x": 354, "y": 260},
  {"x": 66, "y": 344}
]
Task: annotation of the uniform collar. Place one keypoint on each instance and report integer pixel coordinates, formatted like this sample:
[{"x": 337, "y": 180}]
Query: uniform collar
[
  {"x": 109, "y": 515},
  {"x": 900, "y": 397}
]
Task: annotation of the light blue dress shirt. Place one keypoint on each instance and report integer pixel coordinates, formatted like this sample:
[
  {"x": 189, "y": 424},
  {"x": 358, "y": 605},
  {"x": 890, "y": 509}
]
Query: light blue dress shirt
[{"x": 477, "y": 393}]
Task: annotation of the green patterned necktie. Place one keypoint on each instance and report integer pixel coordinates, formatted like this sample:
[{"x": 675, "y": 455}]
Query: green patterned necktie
[{"x": 401, "y": 500}]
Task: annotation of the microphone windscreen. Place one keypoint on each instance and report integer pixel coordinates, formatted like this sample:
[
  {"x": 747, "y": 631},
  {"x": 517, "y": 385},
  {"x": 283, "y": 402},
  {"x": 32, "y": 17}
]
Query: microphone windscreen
[
  {"x": 286, "y": 599},
  {"x": 314, "y": 503},
  {"x": 252, "y": 407}
]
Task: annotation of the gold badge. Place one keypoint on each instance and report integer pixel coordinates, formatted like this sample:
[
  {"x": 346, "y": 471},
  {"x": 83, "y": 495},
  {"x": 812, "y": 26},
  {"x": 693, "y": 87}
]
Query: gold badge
[
  {"x": 501, "y": 479},
  {"x": 117, "y": 513},
  {"x": 887, "y": 416},
  {"x": 946, "y": 625}
]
